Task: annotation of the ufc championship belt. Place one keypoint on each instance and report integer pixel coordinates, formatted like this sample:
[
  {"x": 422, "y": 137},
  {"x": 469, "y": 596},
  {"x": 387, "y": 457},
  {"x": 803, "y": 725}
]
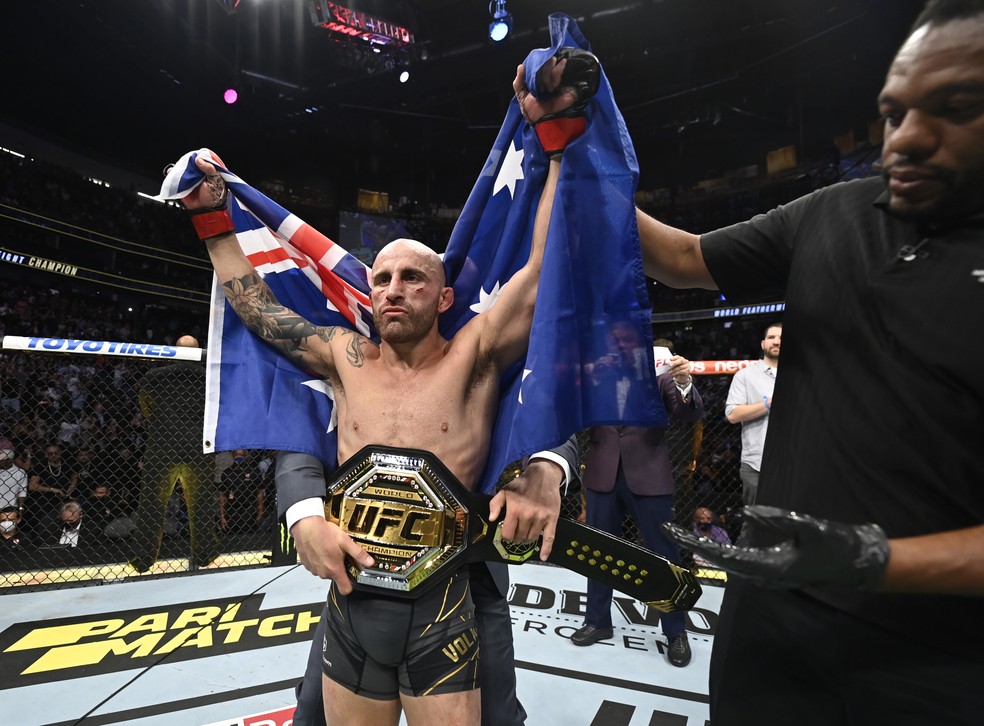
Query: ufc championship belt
[{"x": 420, "y": 524}]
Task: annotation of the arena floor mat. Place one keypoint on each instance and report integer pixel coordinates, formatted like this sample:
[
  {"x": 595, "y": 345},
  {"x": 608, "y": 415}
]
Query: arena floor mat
[{"x": 226, "y": 648}]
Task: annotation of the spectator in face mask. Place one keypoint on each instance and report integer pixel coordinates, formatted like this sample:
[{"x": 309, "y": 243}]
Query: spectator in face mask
[
  {"x": 10, "y": 537},
  {"x": 704, "y": 527},
  {"x": 70, "y": 514}
]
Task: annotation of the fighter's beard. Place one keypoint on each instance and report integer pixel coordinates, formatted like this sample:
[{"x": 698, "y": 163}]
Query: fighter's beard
[{"x": 412, "y": 328}]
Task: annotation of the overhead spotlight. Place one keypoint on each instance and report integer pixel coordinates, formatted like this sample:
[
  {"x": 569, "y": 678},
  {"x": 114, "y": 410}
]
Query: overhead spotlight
[
  {"x": 404, "y": 75},
  {"x": 501, "y": 21},
  {"x": 230, "y": 96}
]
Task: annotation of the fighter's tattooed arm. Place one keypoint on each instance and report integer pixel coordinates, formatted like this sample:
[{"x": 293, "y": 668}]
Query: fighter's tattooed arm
[
  {"x": 354, "y": 350},
  {"x": 256, "y": 306}
]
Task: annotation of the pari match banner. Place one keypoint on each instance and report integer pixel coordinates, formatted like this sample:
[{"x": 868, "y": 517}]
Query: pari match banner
[{"x": 242, "y": 648}]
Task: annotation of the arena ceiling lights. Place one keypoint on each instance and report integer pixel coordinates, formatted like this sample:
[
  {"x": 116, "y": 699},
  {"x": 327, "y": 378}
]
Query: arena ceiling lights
[{"x": 501, "y": 21}]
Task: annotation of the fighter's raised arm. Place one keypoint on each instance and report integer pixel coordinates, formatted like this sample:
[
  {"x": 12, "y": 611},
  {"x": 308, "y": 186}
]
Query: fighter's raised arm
[
  {"x": 505, "y": 329},
  {"x": 303, "y": 342},
  {"x": 571, "y": 77},
  {"x": 669, "y": 255}
]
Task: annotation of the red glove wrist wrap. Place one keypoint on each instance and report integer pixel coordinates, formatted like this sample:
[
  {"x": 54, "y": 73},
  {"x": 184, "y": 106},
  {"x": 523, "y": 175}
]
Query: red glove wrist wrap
[
  {"x": 556, "y": 133},
  {"x": 212, "y": 223}
]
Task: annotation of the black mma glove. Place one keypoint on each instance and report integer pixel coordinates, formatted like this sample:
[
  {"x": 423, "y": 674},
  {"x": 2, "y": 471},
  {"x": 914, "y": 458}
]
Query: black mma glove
[
  {"x": 582, "y": 75},
  {"x": 214, "y": 221},
  {"x": 816, "y": 551}
]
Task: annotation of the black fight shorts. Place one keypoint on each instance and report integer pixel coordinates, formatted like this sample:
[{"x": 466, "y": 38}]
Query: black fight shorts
[{"x": 379, "y": 646}]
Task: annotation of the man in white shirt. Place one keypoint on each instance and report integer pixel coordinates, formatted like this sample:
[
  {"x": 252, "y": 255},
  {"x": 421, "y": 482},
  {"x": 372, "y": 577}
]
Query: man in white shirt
[
  {"x": 749, "y": 402},
  {"x": 13, "y": 479}
]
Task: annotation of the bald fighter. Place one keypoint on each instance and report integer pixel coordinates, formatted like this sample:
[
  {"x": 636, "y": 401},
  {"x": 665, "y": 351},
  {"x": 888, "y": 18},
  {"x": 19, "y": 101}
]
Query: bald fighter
[{"x": 417, "y": 390}]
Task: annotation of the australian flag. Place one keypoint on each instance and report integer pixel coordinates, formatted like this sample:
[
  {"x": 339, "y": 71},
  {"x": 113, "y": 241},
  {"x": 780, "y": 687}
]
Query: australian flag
[{"x": 591, "y": 280}]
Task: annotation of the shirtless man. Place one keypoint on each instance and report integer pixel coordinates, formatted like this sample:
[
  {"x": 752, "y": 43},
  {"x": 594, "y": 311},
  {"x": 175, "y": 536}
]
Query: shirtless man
[{"x": 415, "y": 390}]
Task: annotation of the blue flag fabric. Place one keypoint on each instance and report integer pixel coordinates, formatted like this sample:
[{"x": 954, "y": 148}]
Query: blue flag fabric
[{"x": 590, "y": 285}]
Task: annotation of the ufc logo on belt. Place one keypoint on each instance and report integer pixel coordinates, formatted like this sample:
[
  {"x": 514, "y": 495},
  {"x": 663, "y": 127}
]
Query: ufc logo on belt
[{"x": 391, "y": 523}]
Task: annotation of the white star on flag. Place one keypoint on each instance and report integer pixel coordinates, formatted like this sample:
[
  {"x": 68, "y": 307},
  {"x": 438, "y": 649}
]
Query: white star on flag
[
  {"x": 486, "y": 299},
  {"x": 324, "y": 387},
  {"x": 510, "y": 172},
  {"x": 526, "y": 372}
]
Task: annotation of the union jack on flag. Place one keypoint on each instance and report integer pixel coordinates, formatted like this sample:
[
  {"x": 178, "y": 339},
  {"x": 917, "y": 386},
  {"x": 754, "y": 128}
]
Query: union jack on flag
[{"x": 591, "y": 280}]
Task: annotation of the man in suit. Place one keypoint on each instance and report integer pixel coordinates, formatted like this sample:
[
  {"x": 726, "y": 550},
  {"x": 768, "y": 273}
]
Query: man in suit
[
  {"x": 300, "y": 481},
  {"x": 627, "y": 470}
]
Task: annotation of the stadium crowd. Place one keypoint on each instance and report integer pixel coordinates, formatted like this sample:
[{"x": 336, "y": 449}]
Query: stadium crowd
[{"x": 84, "y": 410}]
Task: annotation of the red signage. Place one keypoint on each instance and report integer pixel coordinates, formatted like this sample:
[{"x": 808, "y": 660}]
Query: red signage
[
  {"x": 346, "y": 21},
  {"x": 283, "y": 717}
]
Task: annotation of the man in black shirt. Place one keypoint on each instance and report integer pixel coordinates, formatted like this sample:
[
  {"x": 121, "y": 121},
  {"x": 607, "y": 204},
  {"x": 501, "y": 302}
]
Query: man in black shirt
[
  {"x": 104, "y": 513},
  {"x": 50, "y": 484},
  {"x": 241, "y": 495},
  {"x": 879, "y": 414},
  {"x": 172, "y": 398}
]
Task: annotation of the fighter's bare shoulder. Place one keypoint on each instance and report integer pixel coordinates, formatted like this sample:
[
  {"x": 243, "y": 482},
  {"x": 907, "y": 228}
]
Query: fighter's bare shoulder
[
  {"x": 469, "y": 338},
  {"x": 353, "y": 348},
  {"x": 472, "y": 349}
]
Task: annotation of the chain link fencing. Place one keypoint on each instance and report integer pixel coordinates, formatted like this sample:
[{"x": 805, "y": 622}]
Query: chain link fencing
[
  {"x": 109, "y": 452},
  {"x": 705, "y": 457}
]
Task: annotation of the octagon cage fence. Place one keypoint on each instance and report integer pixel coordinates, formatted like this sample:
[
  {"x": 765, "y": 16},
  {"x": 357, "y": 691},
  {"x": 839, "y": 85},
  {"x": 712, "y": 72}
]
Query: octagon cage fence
[{"x": 152, "y": 505}]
